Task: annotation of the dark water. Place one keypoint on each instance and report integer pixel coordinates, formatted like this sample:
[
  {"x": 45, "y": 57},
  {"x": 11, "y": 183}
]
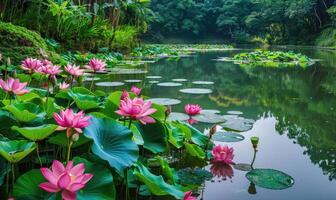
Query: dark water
[{"x": 294, "y": 111}]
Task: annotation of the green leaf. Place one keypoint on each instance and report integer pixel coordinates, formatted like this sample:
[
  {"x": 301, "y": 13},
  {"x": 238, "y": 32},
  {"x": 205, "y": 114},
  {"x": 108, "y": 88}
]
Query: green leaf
[
  {"x": 84, "y": 101},
  {"x": 4, "y": 169},
  {"x": 9, "y": 120},
  {"x": 112, "y": 142},
  {"x": 36, "y": 133},
  {"x": 193, "y": 134},
  {"x": 155, "y": 136},
  {"x": 176, "y": 135},
  {"x": 29, "y": 96},
  {"x": 156, "y": 184},
  {"x": 227, "y": 137},
  {"x": 160, "y": 111},
  {"x": 16, "y": 150},
  {"x": 270, "y": 179},
  {"x": 168, "y": 172},
  {"x": 194, "y": 150},
  {"x": 25, "y": 112},
  {"x": 62, "y": 140}
]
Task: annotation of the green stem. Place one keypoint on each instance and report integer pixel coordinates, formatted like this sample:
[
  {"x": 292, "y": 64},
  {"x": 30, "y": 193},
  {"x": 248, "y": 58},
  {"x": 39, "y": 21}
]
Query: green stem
[
  {"x": 7, "y": 180},
  {"x": 126, "y": 184},
  {"x": 69, "y": 150},
  {"x": 92, "y": 81},
  {"x": 38, "y": 154},
  {"x": 254, "y": 157},
  {"x": 13, "y": 177},
  {"x": 48, "y": 89},
  {"x": 130, "y": 123}
]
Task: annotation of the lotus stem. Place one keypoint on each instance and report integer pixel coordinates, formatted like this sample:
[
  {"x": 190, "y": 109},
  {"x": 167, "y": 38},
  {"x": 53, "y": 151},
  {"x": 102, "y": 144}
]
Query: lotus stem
[
  {"x": 13, "y": 177},
  {"x": 38, "y": 154},
  {"x": 130, "y": 123},
  {"x": 7, "y": 179},
  {"x": 254, "y": 157},
  {"x": 94, "y": 74},
  {"x": 48, "y": 92},
  {"x": 69, "y": 150}
]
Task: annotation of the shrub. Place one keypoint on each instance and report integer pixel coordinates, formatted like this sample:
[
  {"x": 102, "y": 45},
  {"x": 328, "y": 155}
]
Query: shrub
[{"x": 125, "y": 38}]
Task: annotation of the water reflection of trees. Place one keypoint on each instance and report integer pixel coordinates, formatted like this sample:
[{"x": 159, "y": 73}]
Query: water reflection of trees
[{"x": 302, "y": 100}]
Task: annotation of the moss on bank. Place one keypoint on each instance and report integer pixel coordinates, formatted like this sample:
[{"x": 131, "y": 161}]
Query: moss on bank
[
  {"x": 327, "y": 38},
  {"x": 19, "y": 43}
]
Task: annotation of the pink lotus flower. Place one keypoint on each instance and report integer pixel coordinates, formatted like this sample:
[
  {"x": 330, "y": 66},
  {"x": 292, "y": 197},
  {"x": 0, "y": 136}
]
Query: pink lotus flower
[
  {"x": 74, "y": 70},
  {"x": 31, "y": 64},
  {"x": 14, "y": 86},
  {"x": 46, "y": 62},
  {"x": 136, "y": 109},
  {"x": 124, "y": 95},
  {"x": 51, "y": 70},
  {"x": 221, "y": 170},
  {"x": 187, "y": 196},
  {"x": 67, "y": 179},
  {"x": 192, "y": 109},
  {"x": 64, "y": 86},
  {"x": 68, "y": 120},
  {"x": 136, "y": 90},
  {"x": 222, "y": 154},
  {"x": 96, "y": 65}
]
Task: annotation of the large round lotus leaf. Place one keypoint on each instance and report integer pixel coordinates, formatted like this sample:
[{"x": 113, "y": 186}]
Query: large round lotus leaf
[
  {"x": 234, "y": 112},
  {"x": 153, "y": 82},
  {"x": 270, "y": 179},
  {"x": 242, "y": 167},
  {"x": 192, "y": 133},
  {"x": 154, "y": 136},
  {"x": 194, "y": 150},
  {"x": 209, "y": 118},
  {"x": 91, "y": 79},
  {"x": 100, "y": 187},
  {"x": 208, "y": 111},
  {"x": 178, "y": 116},
  {"x": 36, "y": 133},
  {"x": 126, "y": 71},
  {"x": 194, "y": 176},
  {"x": 196, "y": 91},
  {"x": 25, "y": 112},
  {"x": 110, "y": 84},
  {"x": 165, "y": 101},
  {"x": 239, "y": 124},
  {"x": 16, "y": 150},
  {"x": 9, "y": 120},
  {"x": 227, "y": 137},
  {"x": 179, "y": 80},
  {"x": 133, "y": 81},
  {"x": 203, "y": 82},
  {"x": 154, "y": 77},
  {"x": 112, "y": 142},
  {"x": 156, "y": 184},
  {"x": 169, "y": 84},
  {"x": 84, "y": 101}
]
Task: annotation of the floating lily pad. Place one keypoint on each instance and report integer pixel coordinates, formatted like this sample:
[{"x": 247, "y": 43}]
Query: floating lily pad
[
  {"x": 203, "y": 82},
  {"x": 243, "y": 167},
  {"x": 133, "y": 81},
  {"x": 179, "y": 79},
  {"x": 227, "y": 137},
  {"x": 234, "y": 112},
  {"x": 169, "y": 84},
  {"x": 127, "y": 71},
  {"x": 109, "y": 84},
  {"x": 192, "y": 176},
  {"x": 270, "y": 179},
  {"x": 153, "y": 81},
  {"x": 239, "y": 124},
  {"x": 16, "y": 150},
  {"x": 210, "y": 112},
  {"x": 176, "y": 116},
  {"x": 165, "y": 101},
  {"x": 92, "y": 78},
  {"x": 209, "y": 118},
  {"x": 196, "y": 91},
  {"x": 154, "y": 77}
]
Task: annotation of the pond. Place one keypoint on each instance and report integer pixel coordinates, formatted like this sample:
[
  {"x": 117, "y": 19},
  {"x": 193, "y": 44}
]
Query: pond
[{"x": 293, "y": 109}]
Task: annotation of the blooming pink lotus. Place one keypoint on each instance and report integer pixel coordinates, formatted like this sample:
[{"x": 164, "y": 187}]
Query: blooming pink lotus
[
  {"x": 51, "y": 70},
  {"x": 14, "y": 86},
  {"x": 124, "y": 95},
  {"x": 96, "y": 65},
  {"x": 192, "y": 109},
  {"x": 46, "y": 62},
  {"x": 67, "y": 179},
  {"x": 74, "y": 70},
  {"x": 136, "y": 109},
  {"x": 68, "y": 120},
  {"x": 221, "y": 170},
  {"x": 64, "y": 86},
  {"x": 31, "y": 65},
  {"x": 222, "y": 154},
  {"x": 136, "y": 90},
  {"x": 187, "y": 196}
]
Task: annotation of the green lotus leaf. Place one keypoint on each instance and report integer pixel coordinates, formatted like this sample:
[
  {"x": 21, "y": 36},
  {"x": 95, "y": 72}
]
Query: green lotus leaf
[
  {"x": 4, "y": 169},
  {"x": 29, "y": 96},
  {"x": 137, "y": 137},
  {"x": 62, "y": 140},
  {"x": 112, "y": 142},
  {"x": 176, "y": 135},
  {"x": 84, "y": 101},
  {"x": 16, "y": 150},
  {"x": 227, "y": 137},
  {"x": 160, "y": 111},
  {"x": 193, "y": 134},
  {"x": 9, "y": 120},
  {"x": 239, "y": 124},
  {"x": 156, "y": 184},
  {"x": 192, "y": 176},
  {"x": 194, "y": 150},
  {"x": 36, "y": 133},
  {"x": 167, "y": 171},
  {"x": 25, "y": 112},
  {"x": 155, "y": 136},
  {"x": 270, "y": 179}
]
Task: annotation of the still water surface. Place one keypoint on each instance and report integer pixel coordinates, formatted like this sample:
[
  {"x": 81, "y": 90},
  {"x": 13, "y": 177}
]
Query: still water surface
[{"x": 294, "y": 110}]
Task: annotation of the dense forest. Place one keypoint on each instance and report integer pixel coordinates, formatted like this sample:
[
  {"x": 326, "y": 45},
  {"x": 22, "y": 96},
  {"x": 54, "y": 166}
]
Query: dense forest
[{"x": 242, "y": 21}]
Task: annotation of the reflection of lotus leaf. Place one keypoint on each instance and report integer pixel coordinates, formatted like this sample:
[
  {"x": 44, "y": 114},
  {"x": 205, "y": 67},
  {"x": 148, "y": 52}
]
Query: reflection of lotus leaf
[
  {"x": 177, "y": 116},
  {"x": 239, "y": 124},
  {"x": 227, "y": 137},
  {"x": 165, "y": 101},
  {"x": 243, "y": 167},
  {"x": 169, "y": 84},
  {"x": 189, "y": 176},
  {"x": 196, "y": 91},
  {"x": 270, "y": 179}
]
